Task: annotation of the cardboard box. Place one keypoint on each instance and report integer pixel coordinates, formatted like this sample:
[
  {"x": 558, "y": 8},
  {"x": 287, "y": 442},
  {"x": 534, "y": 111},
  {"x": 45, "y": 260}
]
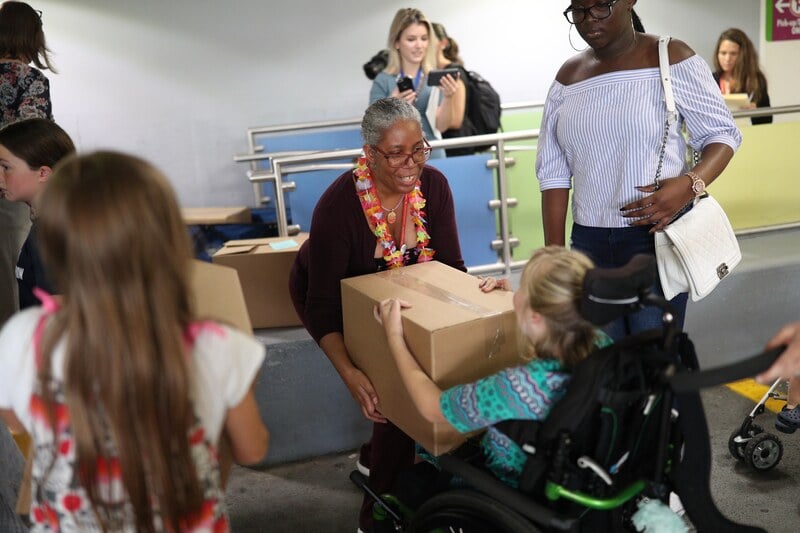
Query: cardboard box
[
  {"x": 263, "y": 266},
  {"x": 457, "y": 333},
  {"x": 217, "y": 295},
  {"x": 193, "y": 216}
]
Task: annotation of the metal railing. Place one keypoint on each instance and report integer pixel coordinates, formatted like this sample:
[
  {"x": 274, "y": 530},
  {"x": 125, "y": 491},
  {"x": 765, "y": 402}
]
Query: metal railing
[
  {"x": 256, "y": 153},
  {"x": 308, "y": 162},
  {"x": 292, "y": 162},
  {"x": 302, "y": 126},
  {"x": 513, "y": 106},
  {"x": 765, "y": 111}
]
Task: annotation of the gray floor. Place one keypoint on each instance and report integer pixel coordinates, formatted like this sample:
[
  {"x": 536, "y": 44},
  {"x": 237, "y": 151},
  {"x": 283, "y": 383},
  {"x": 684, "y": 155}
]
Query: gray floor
[{"x": 317, "y": 496}]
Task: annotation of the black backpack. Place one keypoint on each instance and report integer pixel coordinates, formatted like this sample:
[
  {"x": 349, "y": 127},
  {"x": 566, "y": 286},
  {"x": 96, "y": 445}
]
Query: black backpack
[
  {"x": 481, "y": 113},
  {"x": 483, "y": 104}
]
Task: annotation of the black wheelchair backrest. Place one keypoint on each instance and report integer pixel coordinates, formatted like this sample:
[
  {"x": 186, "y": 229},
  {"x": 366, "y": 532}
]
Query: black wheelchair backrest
[{"x": 610, "y": 293}]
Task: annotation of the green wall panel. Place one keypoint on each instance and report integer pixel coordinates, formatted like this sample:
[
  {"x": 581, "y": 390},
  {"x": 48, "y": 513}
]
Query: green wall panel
[
  {"x": 525, "y": 219},
  {"x": 760, "y": 187}
]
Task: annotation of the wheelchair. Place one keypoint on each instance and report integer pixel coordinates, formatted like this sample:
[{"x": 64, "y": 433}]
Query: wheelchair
[{"x": 631, "y": 427}]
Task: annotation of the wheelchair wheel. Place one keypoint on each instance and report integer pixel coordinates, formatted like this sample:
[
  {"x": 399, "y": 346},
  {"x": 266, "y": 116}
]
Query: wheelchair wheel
[
  {"x": 737, "y": 448},
  {"x": 763, "y": 452},
  {"x": 466, "y": 511}
]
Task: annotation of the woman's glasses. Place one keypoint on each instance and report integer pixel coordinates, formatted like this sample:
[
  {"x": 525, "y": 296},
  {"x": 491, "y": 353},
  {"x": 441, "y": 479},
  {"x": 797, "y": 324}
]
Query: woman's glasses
[
  {"x": 420, "y": 155},
  {"x": 599, "y": 11}
]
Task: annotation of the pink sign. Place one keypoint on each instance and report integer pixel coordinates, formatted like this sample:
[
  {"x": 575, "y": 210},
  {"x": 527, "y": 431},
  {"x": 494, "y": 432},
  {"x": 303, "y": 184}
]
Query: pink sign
[{"x": 783, "y": 20}]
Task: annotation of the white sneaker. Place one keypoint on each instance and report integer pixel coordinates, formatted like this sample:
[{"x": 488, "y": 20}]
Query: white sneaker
[{"x": 675, "y": 504}]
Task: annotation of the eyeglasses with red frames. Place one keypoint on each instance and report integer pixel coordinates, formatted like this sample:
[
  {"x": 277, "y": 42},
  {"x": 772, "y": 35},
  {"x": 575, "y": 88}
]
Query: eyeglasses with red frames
[
  {"x": 420, "y": 155},
  {"x": 599, "y": 11}
]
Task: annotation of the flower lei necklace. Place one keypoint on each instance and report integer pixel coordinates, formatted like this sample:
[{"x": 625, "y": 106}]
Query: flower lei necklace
[{"x": 371, "y": 204}]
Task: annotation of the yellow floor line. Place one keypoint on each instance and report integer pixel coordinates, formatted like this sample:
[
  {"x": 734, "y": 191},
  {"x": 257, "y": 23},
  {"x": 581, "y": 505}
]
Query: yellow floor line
[{"x": 755, "y": 391}]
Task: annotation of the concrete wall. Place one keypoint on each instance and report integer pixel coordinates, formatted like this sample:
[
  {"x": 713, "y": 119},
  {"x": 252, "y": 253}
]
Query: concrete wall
[{"x": 179, "y": 82}]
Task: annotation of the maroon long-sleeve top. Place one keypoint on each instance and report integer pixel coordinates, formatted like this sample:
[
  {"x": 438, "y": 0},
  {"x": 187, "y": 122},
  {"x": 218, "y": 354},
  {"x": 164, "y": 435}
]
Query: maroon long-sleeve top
[{"x": 341, "y": 245}]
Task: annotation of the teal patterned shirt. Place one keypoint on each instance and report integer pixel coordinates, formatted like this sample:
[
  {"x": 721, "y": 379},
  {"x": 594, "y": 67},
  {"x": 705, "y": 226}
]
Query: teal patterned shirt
[{"x": 527, "y": 391}]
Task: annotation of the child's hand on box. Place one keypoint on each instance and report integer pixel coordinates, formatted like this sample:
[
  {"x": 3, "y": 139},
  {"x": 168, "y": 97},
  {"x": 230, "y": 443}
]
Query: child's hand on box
[
  {"x": 488, "y": 284},
  {"x": 388, "y": 313},
  {"x": 423, "y": 391}
]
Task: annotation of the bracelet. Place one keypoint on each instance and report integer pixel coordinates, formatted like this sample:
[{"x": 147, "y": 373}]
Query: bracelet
[{"x": 698, "y": 186}]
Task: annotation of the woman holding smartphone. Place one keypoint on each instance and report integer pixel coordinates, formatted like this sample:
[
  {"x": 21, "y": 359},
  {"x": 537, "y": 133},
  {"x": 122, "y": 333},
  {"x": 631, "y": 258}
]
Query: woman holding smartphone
[{"x": 411, "y": 58}]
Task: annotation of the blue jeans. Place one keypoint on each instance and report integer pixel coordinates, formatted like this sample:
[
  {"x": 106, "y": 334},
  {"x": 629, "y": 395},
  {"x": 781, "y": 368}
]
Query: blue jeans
[{"x": 614, "y": 247}]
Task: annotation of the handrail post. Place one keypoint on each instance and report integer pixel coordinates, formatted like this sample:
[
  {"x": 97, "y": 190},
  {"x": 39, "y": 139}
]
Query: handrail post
[
  {"x": 280, "y": 201},
  {"x": 502, "y": 189},
  {"x": 257, "y": 187}
]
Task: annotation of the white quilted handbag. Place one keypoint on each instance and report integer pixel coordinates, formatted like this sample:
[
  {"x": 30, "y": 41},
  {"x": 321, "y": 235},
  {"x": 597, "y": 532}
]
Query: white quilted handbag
[{"x": 698, "y": 249}]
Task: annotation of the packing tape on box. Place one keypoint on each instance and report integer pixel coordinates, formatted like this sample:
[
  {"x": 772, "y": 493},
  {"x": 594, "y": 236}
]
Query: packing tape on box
[{"x": 495, "y": 334}]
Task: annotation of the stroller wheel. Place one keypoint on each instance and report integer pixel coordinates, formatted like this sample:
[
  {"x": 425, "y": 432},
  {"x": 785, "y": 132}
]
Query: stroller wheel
[
  {"x": 737, "y": 448},
  {"x": 763, "y": 451}
]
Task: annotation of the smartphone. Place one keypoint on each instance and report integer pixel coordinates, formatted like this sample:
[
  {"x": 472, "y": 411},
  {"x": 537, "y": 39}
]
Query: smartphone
[
  {"x": 404, "y": 84},
  {"x": 435, "y": 76}
]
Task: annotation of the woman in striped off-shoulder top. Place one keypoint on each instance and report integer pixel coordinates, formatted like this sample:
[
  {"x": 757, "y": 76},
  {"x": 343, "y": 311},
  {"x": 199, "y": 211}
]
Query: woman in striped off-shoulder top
[{"x": 601, "y": 136}]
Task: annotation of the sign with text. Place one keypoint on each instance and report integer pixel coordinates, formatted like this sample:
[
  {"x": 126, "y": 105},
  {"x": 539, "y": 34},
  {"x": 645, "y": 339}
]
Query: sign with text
[{"x": 783, "y": 20}]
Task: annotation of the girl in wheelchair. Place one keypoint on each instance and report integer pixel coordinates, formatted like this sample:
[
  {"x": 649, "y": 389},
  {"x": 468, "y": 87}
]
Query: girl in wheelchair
[
  {"x": 553, "y": 338},
  {"x": 608, "y": 454}
]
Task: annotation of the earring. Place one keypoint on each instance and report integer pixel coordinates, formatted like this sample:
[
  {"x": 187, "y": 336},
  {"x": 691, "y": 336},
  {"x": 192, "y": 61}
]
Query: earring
[{"x": 569, "y": 35}]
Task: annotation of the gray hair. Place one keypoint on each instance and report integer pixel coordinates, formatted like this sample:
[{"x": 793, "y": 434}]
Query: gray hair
[{"x": 383, "y": 114}]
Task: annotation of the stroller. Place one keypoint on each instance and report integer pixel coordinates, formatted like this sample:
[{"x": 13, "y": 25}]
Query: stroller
[
  {"x": 750, "y": 444},
  {"x": 631, "y": 427}
]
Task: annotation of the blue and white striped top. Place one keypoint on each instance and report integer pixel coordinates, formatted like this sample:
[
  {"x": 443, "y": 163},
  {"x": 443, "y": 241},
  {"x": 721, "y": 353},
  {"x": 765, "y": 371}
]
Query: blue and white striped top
[{"x": 604, "y": 134}]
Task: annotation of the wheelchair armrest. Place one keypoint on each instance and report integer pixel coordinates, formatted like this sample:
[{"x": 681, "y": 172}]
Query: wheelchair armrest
[{"x": 491, "y": 486}]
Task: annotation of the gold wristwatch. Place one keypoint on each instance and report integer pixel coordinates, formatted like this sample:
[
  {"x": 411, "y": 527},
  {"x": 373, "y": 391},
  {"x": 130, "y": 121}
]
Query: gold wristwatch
[{"x": 698, "y": 186}]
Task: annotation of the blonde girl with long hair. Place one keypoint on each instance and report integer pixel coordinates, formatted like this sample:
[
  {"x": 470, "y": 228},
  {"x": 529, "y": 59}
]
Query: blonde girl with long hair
[
  {"x": 553, "y": 336},
  {"x": 124, "y": 391}
]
